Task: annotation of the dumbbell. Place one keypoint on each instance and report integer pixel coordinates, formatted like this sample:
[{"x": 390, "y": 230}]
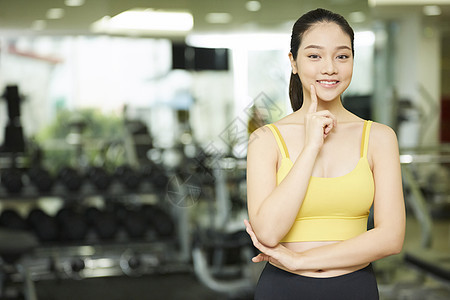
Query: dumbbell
[
  {"x": 41, "y": 178},
  {"x": 128, "y": 177},
  {"x": 91, "y": 213},
  {"x": 73, "y": 267},
  {"x": 12, "y": 220},
  {"x": 159, "y": 220},
  {"x": 70, "y": 178},
  {"x": 77, "y": 264},
  {"x": 104, "y": 223},
  {"x": 44, "y": 226},
  {"x": 134, "y": 223},
  {"x": 156, "y": 176},
  {"x": 160, "y": 181},
  {"x": 73, "y": 226},
  {"x": 131, "y": 263},
  {"x": 120, "y": 212},
  {"x": 12, "y": 180},
  {"x": 99, "y": 177}
]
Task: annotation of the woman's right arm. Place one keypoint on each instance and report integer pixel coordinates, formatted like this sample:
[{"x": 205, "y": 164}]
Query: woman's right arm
[{"x": 273, "y": 209}]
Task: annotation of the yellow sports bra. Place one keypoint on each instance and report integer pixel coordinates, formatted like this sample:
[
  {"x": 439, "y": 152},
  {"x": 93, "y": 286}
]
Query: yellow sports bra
[{"x": 335, "y": 208}]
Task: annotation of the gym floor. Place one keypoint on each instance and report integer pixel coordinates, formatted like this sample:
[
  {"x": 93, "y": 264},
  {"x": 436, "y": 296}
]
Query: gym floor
[
  {"x": 396, "y": 279},
  {"x": 173, "y": 286}
]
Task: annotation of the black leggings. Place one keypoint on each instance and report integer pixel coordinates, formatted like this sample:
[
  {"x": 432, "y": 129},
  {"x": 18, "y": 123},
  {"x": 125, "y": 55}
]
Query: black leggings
[{"x": 277, "y": 284}]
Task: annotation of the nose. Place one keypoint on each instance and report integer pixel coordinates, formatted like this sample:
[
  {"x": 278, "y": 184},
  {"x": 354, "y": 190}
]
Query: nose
[{"x": 329, "y": 67}]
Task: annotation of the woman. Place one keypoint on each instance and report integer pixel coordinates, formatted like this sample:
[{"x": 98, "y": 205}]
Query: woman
[{"x": 313, "y": 176}]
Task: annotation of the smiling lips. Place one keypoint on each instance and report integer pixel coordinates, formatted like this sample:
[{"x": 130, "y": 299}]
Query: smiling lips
[{"x": 328, "y": 83}]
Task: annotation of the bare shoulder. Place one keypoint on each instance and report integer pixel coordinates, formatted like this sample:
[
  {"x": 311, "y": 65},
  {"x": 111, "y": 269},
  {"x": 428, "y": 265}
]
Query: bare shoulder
[
  {"x": 383, "y": 142},
  {"x": 380, "y": 134},
  {"x": 262, "y": 139},
  {"x": 262, "y": 134}
]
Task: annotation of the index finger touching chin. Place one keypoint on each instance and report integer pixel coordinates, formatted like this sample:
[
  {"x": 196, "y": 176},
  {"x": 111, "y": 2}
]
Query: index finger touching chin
[{"x": 313, "y": 106}]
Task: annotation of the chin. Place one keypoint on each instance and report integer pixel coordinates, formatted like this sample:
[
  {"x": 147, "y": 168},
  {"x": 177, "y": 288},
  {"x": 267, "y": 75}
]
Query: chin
[{"x": 330, "y": 95}]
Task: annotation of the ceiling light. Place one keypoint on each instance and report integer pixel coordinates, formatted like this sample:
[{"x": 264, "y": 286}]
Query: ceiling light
[
  {"x": 253, "y": 5},
  {"x": 74, "y": 2},
  {"x": 253, "y": 41},
  {"x": 38, "y": 25},
  {"x": 432, "y": 10},
  {"x": 357, "y": 17},
  {"x": 374, "y": 3},
  {"x": 218, "y": 18},
  {"x": 55, "y": 13},
  {"x": 145, "y": 20}
]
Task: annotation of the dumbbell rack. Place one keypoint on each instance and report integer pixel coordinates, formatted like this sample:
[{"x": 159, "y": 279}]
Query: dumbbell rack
[
  {"x": 104, "y": 260},
  {"x": 78, "y": 254},
  {"x": 92, "y": 256}
]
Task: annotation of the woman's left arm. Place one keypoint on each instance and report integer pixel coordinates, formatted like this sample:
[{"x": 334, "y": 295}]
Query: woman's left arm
[{"x": 386, "y": 238}]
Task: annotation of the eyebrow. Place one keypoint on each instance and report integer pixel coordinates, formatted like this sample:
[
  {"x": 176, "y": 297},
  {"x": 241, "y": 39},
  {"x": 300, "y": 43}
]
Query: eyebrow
[{"x": 320, "y": 47}]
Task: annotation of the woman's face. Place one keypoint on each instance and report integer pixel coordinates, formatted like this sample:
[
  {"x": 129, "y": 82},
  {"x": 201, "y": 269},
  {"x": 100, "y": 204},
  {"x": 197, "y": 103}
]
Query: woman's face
[{"x": 325, "y": 60}]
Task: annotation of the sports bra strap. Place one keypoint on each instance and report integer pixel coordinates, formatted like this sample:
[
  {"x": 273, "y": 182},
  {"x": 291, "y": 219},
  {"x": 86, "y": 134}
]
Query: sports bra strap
[
  {"x": 285, "y": 153},
  {"x": 365, "y": 138},
  {"x": 280, "y": 140}
]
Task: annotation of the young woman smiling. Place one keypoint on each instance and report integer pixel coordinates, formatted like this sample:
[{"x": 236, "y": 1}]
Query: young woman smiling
[{"x": 313, "y": 176}]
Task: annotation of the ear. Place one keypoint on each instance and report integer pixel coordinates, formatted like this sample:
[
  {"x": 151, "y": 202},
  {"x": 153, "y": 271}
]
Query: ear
[{"x": 293, "y": 63}]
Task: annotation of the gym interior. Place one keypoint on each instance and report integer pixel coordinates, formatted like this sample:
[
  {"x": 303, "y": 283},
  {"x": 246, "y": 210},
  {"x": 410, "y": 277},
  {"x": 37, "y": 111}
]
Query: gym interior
[{"x": 124, "y": 127}]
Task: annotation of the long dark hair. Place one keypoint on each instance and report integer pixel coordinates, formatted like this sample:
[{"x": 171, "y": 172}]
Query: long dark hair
[{"x": 305, "y": 22}]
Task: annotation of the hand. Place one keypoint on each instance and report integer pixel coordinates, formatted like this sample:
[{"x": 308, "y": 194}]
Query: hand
[
  {"x": 318, "y": 124},
  {"x": 278, "y": 255}
]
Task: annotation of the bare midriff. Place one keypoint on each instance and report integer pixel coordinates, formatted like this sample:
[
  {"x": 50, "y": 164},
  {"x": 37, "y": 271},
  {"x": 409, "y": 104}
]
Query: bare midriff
[{"x": 304, "y": 246}]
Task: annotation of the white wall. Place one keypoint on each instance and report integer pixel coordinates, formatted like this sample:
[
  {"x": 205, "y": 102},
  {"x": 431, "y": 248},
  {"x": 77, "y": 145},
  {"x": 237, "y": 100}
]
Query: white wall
[{"x": 417, "y": 78}]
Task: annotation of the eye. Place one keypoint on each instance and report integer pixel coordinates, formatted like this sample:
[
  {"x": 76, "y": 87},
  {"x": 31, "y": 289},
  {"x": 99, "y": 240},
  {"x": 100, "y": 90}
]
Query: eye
[
  {"x": 343, "y": 56},
  {"x": 313, "y": 56}
]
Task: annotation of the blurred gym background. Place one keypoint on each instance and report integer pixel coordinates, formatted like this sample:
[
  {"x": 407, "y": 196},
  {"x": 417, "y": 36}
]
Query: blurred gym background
[{"x": 123, "y": 137}]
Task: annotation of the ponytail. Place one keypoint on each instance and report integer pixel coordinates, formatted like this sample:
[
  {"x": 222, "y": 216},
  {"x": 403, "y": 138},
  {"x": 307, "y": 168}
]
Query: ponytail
[{"x": 295, "y": 92}]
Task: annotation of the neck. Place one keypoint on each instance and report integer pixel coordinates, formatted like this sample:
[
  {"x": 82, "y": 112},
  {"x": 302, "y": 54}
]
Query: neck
[{"x": 334, "y": 106}]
